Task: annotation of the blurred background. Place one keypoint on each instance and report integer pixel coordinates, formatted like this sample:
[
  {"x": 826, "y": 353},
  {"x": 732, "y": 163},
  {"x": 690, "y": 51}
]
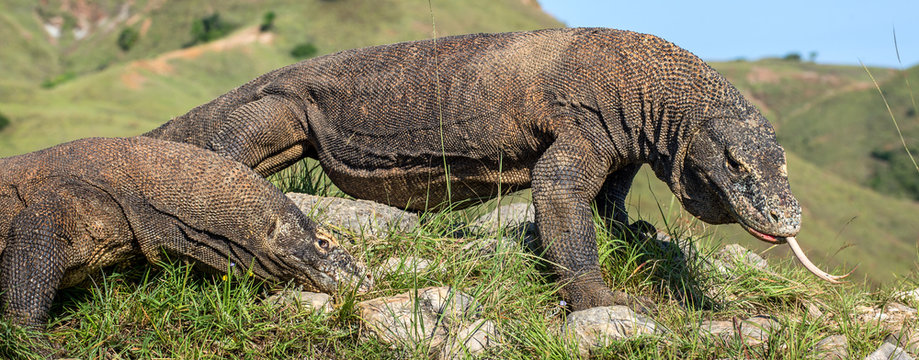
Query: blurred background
[{"x": 77, "y": 68}]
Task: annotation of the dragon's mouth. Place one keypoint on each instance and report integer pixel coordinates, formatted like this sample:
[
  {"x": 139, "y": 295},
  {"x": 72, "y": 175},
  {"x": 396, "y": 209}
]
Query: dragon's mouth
[
  {"x": 762, "y": 236},
  {"x": 772, "y": 239}
]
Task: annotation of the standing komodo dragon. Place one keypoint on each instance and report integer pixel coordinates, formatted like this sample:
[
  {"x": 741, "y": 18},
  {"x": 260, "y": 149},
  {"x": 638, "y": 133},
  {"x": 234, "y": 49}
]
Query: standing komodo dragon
[
  {"x": 70, "y": 210},
  {"x": 571, "y": 113}
]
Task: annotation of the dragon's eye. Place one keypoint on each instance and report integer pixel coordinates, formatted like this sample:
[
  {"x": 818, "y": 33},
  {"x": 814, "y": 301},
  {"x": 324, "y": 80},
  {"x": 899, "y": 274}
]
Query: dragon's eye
[
  {"x": 732, "y": 164},
  {"x": 323, "y": 244}
]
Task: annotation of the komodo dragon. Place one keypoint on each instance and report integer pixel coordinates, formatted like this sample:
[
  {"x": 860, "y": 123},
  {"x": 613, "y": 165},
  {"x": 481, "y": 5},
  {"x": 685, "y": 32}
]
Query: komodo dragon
[
  {"x": 70, "y": 210},
  {"x": 571, "y": 113}
]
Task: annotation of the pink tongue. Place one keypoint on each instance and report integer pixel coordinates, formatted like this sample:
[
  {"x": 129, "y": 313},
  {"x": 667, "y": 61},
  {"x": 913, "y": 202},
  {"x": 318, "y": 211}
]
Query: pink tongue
[{"x": 761, "y": 236}]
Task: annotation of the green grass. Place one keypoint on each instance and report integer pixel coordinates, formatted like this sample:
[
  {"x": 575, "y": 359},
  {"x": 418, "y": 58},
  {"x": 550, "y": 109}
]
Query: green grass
[
  {"x": 305, "y": 177},
  {"x": 172, "y": 311}
]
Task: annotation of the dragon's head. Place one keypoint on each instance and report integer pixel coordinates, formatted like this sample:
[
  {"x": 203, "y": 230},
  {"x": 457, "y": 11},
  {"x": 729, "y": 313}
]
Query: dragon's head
[
  {"x": 728, "y": 167},
  {"x": 311, "y": 256},
  {"x": 734, "y": 170}
]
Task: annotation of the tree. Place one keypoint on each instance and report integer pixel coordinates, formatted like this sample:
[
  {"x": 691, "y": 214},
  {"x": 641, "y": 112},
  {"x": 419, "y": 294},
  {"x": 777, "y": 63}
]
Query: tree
[
  {"x": 209, "y": 28},
  {"x": 304, "y": 51},
  {"x": 267, "y": 22},
  {"x": 128, "y": 38}
]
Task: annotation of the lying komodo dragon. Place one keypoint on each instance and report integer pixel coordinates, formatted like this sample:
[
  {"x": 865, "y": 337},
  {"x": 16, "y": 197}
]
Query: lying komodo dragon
[
  {"x": 571, "y": 113},
  {"x": 69, "y": 210}
]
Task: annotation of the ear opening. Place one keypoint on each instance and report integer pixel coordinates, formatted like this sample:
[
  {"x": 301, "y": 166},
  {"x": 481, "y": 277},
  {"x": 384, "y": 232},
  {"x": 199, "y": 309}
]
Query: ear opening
[{"x": 273, "y": 229}]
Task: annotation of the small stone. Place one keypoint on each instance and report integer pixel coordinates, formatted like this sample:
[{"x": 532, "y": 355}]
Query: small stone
[
  {"x": 813, "y": 310},
  {"x": 485, "y": 246},
  {"x": 911, "y": 296},
  {"x": 408, "y": 265},
  {"x": 471, "y": 340},
  {"x": 595, "y": 327},
  {"x": 891, "y": 317},
  {"x": 506, "y": 216},
  {"x": 406, "y": 320},
  {"x": 907, "y": 338},
  {"x": 735, "y": 254},
  {"x": 301, "y": 300},
  {"x": 888, "y": 351},
  {"x": 360, "y": 217},
  {"x": 524, "y": 235},
  {"x": 519, "y": 225},
  {"x": 755, "y": 330},
  {"x": 835, "y": 347}
]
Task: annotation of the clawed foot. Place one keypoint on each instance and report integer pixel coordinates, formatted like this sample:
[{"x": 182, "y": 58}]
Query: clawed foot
[
  {"x": 639, "y": 304},
  {"x": 589, "y": 295},
  {"x": 639, "y": 230}
]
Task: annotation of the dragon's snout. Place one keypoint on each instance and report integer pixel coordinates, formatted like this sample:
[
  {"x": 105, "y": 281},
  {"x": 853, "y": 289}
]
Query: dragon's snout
[{"x": 783, "y": 217}]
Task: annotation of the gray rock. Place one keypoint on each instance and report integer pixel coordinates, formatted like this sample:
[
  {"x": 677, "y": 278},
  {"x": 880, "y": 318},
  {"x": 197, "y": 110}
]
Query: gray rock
[
  {"x": 911, "y": 296},
  {"x": 357, "y": 216},
  {"x": 407, "y": 265},
  {"x": 301, "y": 300},
  {"x": 471, "y": 340},
  {"x": 428, "y": 319},
  {"x": 517, "y": 222},
  {"x": 755, "y": 330},
  {"x": 888, "y": 351},
  {"x": 595, "y": 327},
  {"x": 505, "y": 216},
  {"x": 488, "y": 245},
  {"x": 525, "y": 236},
  {"x": 734, "y": 254},
  {"x": 813, "y": 310},
  {"x": 835, "y": 347},
  {"x": 907, "y": 338},
  {"x": 893, "y": 316}
]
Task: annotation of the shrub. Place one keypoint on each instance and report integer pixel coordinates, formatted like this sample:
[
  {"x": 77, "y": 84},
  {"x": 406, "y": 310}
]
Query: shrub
[
  {"x": 4, "y": 121},
  {"x": 267, "y": 22},
  {"x": 209, "y": 28},
  {"x": 894, "y": 174},
  {"x": 304, "y": 51},
  {"x": 792, "y": 56},
  {"x": 128, "y": 38},
  {"x": 57, "y": 80}
]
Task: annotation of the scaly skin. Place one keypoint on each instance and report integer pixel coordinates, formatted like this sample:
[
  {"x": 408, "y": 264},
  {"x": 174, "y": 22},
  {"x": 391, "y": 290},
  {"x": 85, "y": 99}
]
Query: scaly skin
[
  {"x": 70, "y": 210},
  {"x": 571, "y": 113}
]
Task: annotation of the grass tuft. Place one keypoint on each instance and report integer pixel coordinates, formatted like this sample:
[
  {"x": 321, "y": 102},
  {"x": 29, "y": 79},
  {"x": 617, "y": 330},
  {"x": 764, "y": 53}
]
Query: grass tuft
[{"x": 305, "y": 176}]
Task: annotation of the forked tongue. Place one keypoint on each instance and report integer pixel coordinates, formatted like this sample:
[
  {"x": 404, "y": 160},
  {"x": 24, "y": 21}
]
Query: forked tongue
[{"x": 810, "y": 266}]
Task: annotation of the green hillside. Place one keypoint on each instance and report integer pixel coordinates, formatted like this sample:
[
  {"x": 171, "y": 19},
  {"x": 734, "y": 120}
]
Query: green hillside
[
  {"x": 829, "y": 117},
  {"x": 164, "y": 25},
  {"x": 113, "y": 94}
]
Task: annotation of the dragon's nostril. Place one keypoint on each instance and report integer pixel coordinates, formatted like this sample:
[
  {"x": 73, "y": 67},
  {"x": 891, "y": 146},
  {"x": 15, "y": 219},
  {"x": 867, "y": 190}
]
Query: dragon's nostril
[{"x": 774, "y": 216}]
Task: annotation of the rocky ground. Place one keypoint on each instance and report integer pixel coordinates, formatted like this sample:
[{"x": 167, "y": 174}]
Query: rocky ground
[{"x": 450, "y": 323}]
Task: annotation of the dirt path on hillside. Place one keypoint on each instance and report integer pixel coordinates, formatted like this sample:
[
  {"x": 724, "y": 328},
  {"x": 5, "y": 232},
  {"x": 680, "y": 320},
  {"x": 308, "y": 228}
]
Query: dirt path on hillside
[{"x": 134, "y": 78}]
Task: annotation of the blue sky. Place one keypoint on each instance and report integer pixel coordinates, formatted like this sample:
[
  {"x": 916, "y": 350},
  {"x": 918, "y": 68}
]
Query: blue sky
[{"x": 840, "y": 32}]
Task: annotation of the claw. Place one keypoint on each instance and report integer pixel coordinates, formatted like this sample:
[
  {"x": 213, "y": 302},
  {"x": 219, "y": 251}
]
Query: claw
[{"x": 799, "y": 254}]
